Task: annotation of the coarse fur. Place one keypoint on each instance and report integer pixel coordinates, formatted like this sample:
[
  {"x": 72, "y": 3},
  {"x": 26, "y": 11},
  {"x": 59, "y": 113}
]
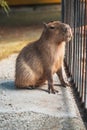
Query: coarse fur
[{"x": 38, "y": 61}]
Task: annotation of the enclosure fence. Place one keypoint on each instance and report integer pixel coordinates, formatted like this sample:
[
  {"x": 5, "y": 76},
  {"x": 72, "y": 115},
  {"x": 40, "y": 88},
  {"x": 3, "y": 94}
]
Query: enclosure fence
[{"x": 74, "y": 12}]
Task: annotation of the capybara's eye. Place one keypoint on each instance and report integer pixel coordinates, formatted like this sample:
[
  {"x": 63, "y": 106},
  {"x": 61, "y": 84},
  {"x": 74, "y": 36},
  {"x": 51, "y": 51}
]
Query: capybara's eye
[{"x": 52, "y": 27}]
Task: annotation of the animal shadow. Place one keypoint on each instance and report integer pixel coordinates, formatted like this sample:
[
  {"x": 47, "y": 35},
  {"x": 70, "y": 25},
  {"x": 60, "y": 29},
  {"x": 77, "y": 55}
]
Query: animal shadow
[{"x": 10, "y": 85}]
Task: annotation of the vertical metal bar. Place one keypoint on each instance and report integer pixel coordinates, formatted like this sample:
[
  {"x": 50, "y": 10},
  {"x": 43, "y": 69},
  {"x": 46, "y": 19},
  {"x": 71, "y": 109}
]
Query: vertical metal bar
[
  {"x": 81, "y": 46},
  {"x": 85, "y": 58},
  {"x": 79, "y": 13},
  {"x": 74, "y": 40},
  {"x": 77, "y": 42},
  {"x": 76, "y": 46},
  {"x": 69, "y": 22},
  {"x": 63, "y": 10},
  {"x": 83, "y": 54},
  {"x": 86, "y": 55},
  {"x": 86, "y": 72}
]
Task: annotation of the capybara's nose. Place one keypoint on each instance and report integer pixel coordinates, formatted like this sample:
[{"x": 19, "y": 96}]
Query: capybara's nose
[{"x": 66, "y": 28}]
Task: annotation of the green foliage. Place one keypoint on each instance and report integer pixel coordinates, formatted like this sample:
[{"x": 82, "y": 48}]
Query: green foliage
[{"x": 5, "y": 6}]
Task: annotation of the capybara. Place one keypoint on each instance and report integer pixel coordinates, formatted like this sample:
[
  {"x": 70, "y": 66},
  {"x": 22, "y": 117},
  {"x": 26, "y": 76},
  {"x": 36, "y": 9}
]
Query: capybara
[{"x": 38, "y": 61}]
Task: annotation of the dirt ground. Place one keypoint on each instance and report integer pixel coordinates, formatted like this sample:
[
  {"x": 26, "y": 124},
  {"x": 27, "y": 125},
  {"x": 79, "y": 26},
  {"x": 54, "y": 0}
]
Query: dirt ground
[
  {"x": 19, "y": 34},
  {"x": 23, "y": 25},
  {"x": 13, "y": 39}
]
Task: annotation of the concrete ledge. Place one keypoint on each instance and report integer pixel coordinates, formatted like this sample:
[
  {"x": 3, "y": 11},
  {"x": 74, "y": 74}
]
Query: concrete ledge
[
  {"x": 35, "y": 109},
  {"x": 37, "y": 121}
]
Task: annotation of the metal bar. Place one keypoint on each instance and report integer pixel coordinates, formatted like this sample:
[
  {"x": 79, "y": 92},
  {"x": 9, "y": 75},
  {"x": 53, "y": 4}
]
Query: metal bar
[
  {"x": 85, "y": 58},
  {"x": 63, "y": 10},
  {"x": 83, "y": 55},
  {"x": 86, "y": 75},
  {"x": 81, "y": 47},
  {"x": 78, "y": 46},
  {"x": 76, "y": 54}
]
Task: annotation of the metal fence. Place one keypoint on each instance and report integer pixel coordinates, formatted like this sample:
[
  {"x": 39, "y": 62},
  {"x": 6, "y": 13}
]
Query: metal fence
[{"x": 74, "y": 12}]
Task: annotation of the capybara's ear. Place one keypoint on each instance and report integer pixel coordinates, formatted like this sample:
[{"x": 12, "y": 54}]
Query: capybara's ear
[{"x": 45, "y": 25}]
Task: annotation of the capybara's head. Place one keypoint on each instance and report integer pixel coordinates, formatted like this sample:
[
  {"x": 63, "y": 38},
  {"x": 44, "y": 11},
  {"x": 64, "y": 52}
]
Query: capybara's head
[{"x": 58, "y": 31}]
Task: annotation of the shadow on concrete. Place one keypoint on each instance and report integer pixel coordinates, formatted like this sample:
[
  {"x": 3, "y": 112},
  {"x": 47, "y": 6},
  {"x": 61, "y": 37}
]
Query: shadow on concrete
[{"x": 10, "y": 85}]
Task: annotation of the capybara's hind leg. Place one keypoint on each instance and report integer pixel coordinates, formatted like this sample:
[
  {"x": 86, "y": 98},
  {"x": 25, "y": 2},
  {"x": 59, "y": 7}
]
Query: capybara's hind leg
[{"x": 50, "y": 83}]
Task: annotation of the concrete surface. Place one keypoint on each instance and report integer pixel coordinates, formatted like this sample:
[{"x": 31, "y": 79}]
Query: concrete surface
[{"x": 35, "y": 109}]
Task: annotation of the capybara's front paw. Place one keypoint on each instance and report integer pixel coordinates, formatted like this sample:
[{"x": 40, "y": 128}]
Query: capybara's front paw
[{"x": 53, "y": 91}]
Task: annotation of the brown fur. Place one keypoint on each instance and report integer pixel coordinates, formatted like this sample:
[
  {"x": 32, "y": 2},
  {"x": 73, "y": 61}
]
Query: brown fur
[{"x": 38, "y": 61}]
